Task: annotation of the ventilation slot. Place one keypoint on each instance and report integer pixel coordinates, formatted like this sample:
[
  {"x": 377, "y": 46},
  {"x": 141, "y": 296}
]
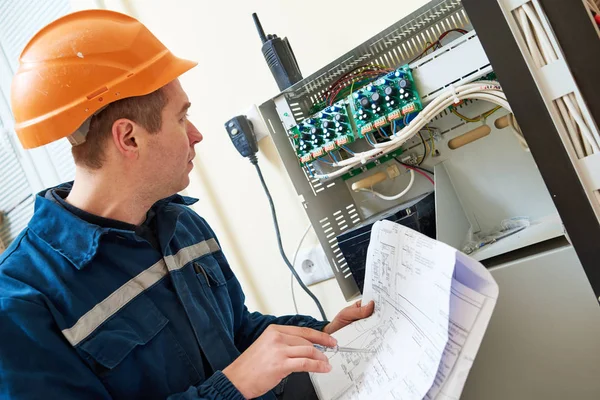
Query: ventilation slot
[
  {"x": 335, "y": 265},
  {"x": 344, "y": 267},
  {"x": 353, "y": 215},
  {"x": 297, "y": 111}
]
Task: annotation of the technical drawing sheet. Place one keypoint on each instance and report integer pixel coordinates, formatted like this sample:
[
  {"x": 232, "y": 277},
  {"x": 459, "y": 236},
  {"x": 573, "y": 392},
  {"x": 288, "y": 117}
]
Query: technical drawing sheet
[{"x": 432, "y": 306}]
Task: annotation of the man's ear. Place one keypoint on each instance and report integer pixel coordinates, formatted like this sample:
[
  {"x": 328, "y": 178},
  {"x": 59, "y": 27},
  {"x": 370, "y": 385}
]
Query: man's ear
[{"x": 124, "y": 133}]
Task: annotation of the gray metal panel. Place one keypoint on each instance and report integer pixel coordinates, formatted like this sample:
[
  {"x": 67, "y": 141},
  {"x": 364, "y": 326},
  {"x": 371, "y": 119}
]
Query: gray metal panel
[
  {"x": 543, "y": 340},
  {"x": 451, "y": 216}
]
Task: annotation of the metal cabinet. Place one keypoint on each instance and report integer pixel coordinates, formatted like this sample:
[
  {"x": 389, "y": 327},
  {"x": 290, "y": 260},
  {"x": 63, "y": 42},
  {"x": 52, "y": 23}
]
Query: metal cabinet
[{"x": 543, "y": 339}]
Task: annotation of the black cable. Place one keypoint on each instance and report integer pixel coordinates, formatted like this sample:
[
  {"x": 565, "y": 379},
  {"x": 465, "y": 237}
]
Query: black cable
[
  {"x": 424, "y": 149},
  {"x": 254, "y": 162},
  {"x": 414, "y": 166}
]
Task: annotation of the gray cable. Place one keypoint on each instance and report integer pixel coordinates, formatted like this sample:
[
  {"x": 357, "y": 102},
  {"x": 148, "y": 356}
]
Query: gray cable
[
  {"x": 293, "y": 295},
  {"x": 254, "y": 162},
  {"x": 294, "y": 264}
]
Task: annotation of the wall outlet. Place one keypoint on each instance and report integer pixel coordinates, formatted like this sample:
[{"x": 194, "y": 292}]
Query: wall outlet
[
  {"x": 258, "y": 124},
  {"x": 312, "y": 265}
]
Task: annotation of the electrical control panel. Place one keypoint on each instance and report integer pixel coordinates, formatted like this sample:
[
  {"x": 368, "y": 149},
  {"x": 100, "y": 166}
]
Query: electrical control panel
[{"x": 380, "y": 101}]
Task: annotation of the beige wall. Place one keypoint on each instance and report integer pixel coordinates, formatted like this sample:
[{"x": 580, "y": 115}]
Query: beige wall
[{"x": 231, "y": 76}]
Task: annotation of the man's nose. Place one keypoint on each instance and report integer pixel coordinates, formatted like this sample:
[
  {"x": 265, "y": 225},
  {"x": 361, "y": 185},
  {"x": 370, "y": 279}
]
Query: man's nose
[{"x": 193, "y": 133}]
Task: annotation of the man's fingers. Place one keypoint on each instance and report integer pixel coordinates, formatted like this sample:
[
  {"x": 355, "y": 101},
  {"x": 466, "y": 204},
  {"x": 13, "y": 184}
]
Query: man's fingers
[
  {"x": 356, "y": 312},
  {"x": 292, "y": 340},
  {"x": 306, "y": 352},
  {"x": 368, "y": 309},
  {"x": 311, "y": 335},
  {"x": 307, "y": 365}
]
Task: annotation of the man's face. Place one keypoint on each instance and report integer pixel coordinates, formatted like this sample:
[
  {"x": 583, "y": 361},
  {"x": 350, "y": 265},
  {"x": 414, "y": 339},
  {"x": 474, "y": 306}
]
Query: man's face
[{"x": 168, "y": 154}]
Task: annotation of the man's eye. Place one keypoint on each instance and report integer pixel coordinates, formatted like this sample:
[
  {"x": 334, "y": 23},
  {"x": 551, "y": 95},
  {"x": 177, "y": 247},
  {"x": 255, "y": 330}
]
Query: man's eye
[{"x": 184, "y": 118}]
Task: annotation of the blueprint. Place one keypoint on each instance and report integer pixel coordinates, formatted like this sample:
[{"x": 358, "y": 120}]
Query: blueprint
[{"x": 428, "y": 322}]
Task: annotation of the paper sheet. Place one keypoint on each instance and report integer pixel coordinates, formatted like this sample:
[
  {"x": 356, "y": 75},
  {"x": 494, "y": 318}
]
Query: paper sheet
[
  {"x": 428, "y": 322},
  {"x": 465, "y": 306},
  {"x": 474, "y": 295}
]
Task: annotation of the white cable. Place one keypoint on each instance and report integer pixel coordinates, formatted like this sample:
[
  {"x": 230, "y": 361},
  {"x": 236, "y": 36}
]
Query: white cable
[
  {"x": 533, "y": 47},
  {"x": 571, "y": 129},
  {"x": 512, "y": 122},
  {"x": 294, "y": 265},
  {"x": 588, "y": 147},
  {"x": 427, "y": 114},
  {"x": 549, "y": 56},
  {"x": 495, "y": 96},
  {"x": 421, "y": 121},
  {"x": 582, "y": 125},
  {"x": 546, "y": 46},
  {"x": 590, "y": 139},
  {"x": 397, "y": 196},
  {"x": 595, "y": 134},
  {"x": 593, "y": 6},
  {"x": 438, "y": 105}
]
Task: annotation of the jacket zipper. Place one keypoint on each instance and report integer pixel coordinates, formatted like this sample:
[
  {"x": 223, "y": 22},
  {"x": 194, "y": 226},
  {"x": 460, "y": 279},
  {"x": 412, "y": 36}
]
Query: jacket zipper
[{"x": 198, "y": 268}]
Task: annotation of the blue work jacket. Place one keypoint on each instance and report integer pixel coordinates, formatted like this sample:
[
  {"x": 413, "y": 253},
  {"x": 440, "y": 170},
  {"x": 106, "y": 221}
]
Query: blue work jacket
[{"x": 88, "y": 312}]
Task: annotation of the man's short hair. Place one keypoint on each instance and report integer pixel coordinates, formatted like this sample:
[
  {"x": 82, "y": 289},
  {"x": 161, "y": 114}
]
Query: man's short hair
[{"x": 144, "y": 110}]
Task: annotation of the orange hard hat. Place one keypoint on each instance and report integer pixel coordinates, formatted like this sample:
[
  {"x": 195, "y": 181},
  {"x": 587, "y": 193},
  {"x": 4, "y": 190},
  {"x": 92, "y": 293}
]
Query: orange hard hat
[{"x": 78, "y": 64}]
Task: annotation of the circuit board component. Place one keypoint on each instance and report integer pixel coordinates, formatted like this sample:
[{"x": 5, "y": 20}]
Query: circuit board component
[{"x": 386, "y": 99}]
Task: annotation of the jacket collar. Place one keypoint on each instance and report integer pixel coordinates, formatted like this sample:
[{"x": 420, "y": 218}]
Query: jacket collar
[{"x": 74, "y": 238}]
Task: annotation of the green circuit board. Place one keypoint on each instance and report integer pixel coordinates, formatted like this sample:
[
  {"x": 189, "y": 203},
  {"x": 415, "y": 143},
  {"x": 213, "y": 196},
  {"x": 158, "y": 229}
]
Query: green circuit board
[
  {"x": 385, "y": 100},
  {"x": 323, "y": 132}
]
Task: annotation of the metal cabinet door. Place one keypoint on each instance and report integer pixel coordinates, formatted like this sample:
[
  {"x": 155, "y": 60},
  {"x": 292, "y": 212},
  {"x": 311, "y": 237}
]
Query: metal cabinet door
[{"x": 543, "y": 340}]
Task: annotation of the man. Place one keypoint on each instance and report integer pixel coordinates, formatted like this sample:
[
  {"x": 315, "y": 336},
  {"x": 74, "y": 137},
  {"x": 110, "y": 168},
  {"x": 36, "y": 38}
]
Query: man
[{"x": 116, "y": 289}]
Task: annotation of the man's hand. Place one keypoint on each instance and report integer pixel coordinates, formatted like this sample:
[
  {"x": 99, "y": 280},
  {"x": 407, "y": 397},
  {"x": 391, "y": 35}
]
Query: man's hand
[
  {"x": 278, "y": 352},
  {"x": 348, "y": 315}
]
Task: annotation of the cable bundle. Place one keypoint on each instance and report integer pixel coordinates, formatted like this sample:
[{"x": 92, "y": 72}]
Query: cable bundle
[{"x": 480, "y": 90}]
